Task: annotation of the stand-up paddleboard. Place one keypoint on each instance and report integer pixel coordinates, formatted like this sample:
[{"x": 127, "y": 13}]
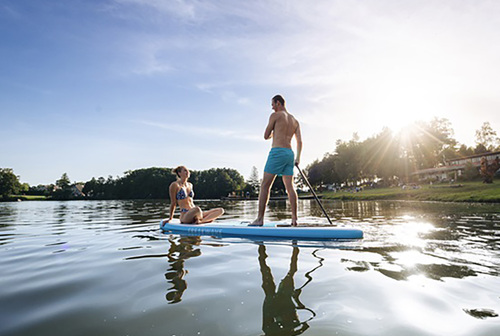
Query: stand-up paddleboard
[{"x": 270, "y": 230}]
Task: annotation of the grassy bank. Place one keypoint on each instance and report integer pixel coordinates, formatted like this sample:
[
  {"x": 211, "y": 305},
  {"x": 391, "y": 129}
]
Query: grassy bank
[
  {"x": 13, "y": 198},
  {"x": 463, "y": 192}
]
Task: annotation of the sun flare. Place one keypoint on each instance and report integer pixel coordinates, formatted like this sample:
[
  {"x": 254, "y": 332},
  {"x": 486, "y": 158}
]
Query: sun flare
[{"x": 405, "y": 89}]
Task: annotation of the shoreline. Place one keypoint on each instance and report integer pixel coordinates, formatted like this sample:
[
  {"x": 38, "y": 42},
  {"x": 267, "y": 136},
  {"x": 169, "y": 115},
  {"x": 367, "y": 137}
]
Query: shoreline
[{"x": 473, "y": 192}]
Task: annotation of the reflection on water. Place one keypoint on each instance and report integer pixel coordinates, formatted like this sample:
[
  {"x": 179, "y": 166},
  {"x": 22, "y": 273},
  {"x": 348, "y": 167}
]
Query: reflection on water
[
  {"x": 281, "y": 303},
  {"x": 279, "y": 311},
  {"x": 180, "y": 250},
  {"x": 102, "y": 267}
]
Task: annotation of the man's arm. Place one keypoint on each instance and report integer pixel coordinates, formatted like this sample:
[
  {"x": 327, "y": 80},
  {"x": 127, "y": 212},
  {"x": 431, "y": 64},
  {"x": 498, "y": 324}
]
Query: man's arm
[
  {"x": 298, "y": 137},
  {"x": 268, "y": 134}
]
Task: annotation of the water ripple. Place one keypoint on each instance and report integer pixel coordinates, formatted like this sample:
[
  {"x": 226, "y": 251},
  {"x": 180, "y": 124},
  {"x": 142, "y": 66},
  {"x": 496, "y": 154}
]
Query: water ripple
[{"x": 104, "y": 267}]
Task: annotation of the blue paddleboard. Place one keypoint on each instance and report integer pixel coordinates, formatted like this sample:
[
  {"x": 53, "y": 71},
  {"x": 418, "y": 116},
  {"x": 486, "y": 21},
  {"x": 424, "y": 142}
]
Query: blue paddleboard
[{"x": 270, "y": 230}]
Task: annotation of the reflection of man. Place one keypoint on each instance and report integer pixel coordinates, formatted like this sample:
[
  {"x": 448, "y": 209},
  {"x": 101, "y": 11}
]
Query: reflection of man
[
  {"x": 279, "y": 311},
  {"x": 282, "y": 127},
  {"x": 176, "y": 272}
]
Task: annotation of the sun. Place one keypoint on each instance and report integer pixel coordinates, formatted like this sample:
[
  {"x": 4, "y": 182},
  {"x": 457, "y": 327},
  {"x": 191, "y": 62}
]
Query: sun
[
  {"x": 399, "y": 103},
  {"x": 403, "y": 90}
]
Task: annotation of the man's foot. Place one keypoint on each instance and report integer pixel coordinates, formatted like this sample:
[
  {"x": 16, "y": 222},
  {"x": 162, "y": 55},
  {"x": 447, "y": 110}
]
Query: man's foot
[
  {"x": 294, "y": 223},
  {"x": 256, "y": 222}
]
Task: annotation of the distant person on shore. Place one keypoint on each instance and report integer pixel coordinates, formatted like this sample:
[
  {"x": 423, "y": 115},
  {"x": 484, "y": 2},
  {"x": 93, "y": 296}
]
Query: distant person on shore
[
  {"x": 182, "y": 194},
  {"x": 282, "y": 127}
]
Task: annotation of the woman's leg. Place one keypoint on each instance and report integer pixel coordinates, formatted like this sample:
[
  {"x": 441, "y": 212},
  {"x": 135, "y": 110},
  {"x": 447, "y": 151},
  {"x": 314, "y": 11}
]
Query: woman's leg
[
  {"x": 211, "y": 215},
  {"x": 192, "y": 216}
]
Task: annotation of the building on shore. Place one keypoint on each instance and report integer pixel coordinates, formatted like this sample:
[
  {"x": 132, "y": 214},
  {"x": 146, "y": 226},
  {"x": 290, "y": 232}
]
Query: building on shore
[{"x": 454, "y": 167}]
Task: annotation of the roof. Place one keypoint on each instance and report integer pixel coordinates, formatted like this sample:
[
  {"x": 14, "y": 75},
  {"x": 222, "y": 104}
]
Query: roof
[
  {"x": 436, "y": 170},
  {"x": 474, "y": 156}
]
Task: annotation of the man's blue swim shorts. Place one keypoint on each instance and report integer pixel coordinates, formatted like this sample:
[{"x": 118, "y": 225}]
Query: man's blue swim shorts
[{"x": 280, "y": 161}]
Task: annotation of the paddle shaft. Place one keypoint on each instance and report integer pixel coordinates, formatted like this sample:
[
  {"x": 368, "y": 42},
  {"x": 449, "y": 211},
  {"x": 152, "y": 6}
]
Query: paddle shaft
[{"x": 314, "y": 194}]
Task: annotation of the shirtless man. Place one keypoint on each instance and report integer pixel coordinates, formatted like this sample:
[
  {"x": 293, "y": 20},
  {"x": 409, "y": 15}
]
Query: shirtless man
[{"x": 282, "y": 127}]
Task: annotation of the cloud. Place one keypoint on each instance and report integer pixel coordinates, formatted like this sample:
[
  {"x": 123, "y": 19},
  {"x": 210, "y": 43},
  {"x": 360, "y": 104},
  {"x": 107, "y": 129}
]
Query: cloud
[
  {"x": 342, "y": 61},
  {"x": 152, "y": 60},
  {"x": 204, "y": 131}
]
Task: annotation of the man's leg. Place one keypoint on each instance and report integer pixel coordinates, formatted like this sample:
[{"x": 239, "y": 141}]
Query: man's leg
[
  {"x": 292, "y": 196},
  {"x": 265, "y": 188}
]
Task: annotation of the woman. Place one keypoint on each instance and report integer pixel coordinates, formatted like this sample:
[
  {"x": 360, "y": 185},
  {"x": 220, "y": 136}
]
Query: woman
[{"x": 181, "y": 193}]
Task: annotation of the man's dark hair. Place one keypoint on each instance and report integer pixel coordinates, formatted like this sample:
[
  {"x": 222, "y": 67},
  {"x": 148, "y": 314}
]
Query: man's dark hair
[{"x": 279, "y": 98}]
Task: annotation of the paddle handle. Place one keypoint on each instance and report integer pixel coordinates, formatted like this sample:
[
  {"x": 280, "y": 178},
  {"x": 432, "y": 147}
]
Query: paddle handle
[{"x": 314, "y": 194}]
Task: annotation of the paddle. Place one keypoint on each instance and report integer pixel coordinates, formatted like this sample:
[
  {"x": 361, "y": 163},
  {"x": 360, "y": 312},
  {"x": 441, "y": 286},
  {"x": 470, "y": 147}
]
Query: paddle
[{"x": 314, "y": 194}]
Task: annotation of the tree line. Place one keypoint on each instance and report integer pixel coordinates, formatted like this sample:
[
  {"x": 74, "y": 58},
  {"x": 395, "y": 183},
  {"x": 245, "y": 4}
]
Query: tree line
[
  {"x": 153, "y": 183},
  {"x": 147, "y": 183},
  {"x": 390, "y": 158}
]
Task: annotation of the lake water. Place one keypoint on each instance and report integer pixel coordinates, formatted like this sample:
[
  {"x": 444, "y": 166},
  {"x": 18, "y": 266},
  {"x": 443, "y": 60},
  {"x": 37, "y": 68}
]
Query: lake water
[{"x": 104, "y": 268}]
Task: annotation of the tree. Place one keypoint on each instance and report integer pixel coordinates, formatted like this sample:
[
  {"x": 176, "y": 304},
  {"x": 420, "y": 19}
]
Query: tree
[
  {"x": 63, "y": 188},
  {"x": 480, "y": 149},
  {"x": 324, "y": 171},
  {"x": 464, "y": 151},
  {"x": 24, "y": 188},
  {"x": 487, "y": 137},
  {"x": 90, "y": 187},
  {"x": 9, "y": 182},
  {"x": 488, "y": 170},
  {"x": 471, "y": 172},
  {"x": 278, "y": 187},
  {"x": 216, "y": 182},
  {"x": 313, "y": 172},
  {"x": 380, "y": 157},
  {"x": 63, "y": 182},
  {"x": 348, "y": 164},
  {"x": 148, "y": 183},
  {"x": 426, "y": 144},
  {"x": 253, "y": 182}
]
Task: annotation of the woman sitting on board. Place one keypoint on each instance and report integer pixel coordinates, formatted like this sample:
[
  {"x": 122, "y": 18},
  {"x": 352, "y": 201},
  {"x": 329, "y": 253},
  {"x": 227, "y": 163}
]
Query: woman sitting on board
[{"x": 181, "y": 193}]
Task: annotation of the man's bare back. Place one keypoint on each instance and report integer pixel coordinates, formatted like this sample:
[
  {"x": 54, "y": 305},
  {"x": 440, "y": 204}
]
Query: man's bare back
[{"x": 284, "y": 128}]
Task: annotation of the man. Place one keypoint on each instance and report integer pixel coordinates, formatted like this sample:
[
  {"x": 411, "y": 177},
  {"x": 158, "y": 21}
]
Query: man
[{"x": 282, "y": 127}]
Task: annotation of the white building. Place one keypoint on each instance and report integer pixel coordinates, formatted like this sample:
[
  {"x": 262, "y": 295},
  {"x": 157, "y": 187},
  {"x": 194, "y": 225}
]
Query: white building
[{"x": 454, "y": 166}]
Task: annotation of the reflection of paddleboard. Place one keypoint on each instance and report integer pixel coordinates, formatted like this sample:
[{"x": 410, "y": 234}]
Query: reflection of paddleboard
[{"x": 269, "y": 230}]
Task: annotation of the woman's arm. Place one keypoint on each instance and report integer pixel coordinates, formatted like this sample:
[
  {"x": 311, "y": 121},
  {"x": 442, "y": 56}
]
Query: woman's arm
[
  {"x": 173, "y": 200},
  {"x": 190, "y": 199}
]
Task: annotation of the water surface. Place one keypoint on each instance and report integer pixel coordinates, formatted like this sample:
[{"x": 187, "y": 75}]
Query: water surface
[{"x": 104, "y": 268}]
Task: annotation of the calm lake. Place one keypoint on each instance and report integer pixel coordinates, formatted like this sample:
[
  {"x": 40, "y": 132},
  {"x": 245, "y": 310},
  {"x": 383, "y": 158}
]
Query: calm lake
[{"x": 104, "y": 268}]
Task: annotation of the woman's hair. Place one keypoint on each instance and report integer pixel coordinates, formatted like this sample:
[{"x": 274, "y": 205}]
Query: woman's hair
[{"x": 177, "y": 170}]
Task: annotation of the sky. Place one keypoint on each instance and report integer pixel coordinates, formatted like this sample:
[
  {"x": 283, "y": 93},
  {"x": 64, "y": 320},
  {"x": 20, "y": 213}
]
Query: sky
[{"x": 98, "y": 88}]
